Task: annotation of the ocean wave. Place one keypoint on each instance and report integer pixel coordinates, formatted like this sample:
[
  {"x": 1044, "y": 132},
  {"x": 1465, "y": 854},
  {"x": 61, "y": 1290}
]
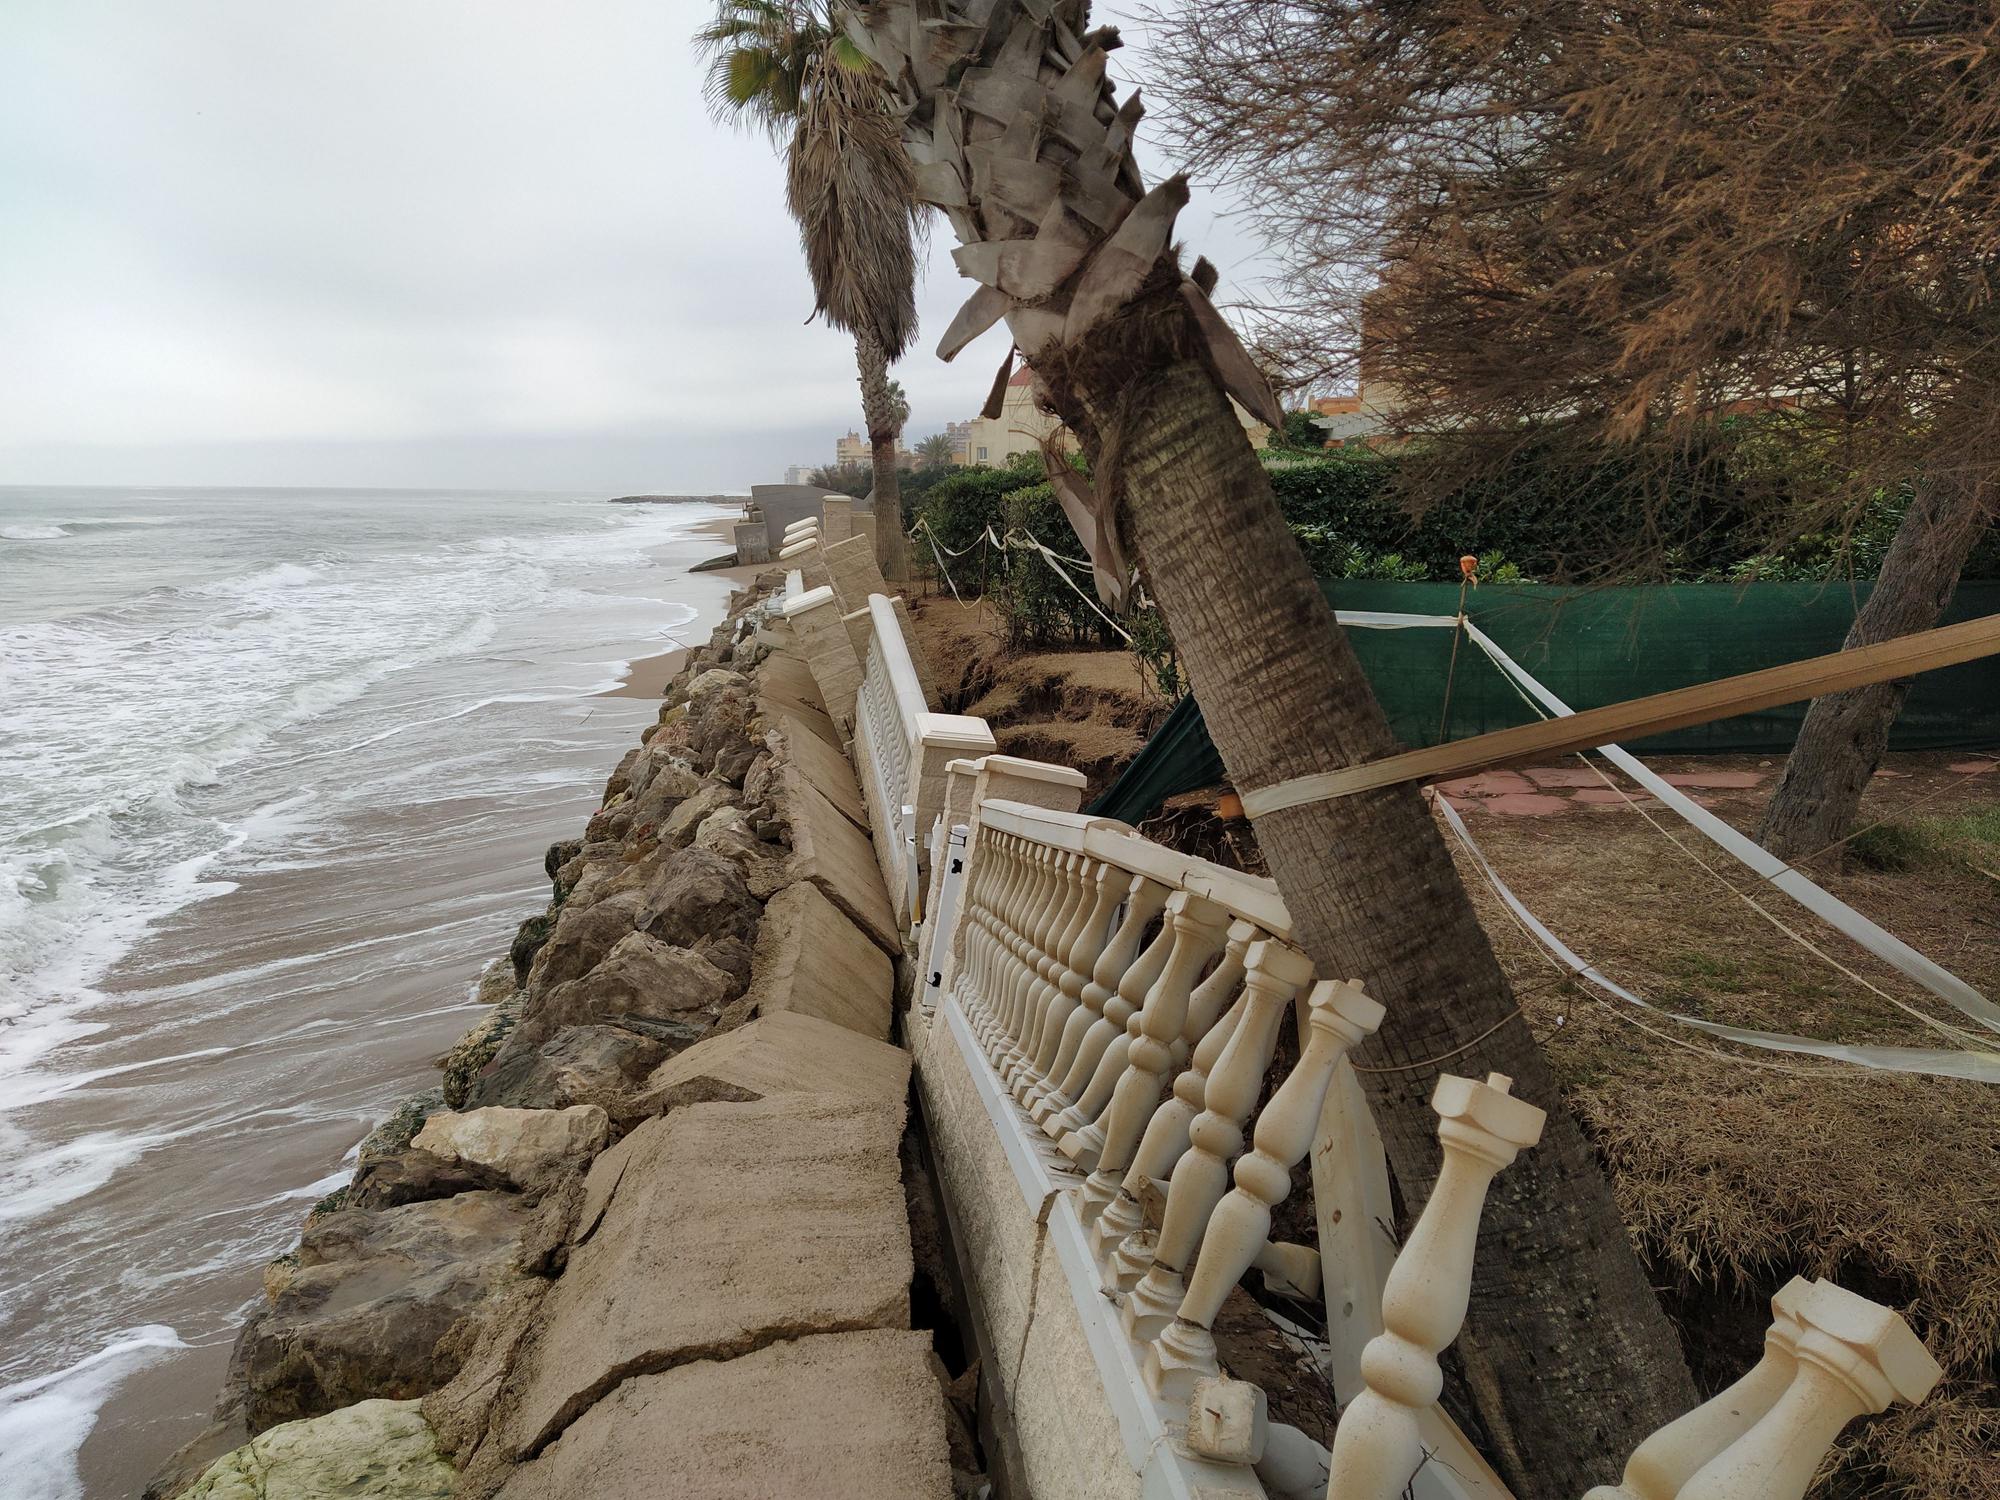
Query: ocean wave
[
  {"x": 44, "y": 1420},
  {"x": 31, "y": 533}
]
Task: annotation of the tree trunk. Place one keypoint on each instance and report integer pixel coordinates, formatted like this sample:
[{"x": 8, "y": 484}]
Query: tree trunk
[
  {"x": 1570, "y": 1359},
  {"x": 1844, "y": 734},
  {"x": 878, "y": 407}
]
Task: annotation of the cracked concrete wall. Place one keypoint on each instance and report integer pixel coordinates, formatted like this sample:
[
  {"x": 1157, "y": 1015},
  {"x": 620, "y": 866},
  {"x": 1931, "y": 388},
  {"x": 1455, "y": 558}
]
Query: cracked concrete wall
[{"x": 1067, "y": 1435}]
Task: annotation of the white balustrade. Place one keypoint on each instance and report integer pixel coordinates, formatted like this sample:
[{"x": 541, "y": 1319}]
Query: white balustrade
[
  {"x": 1124, "y": 1004},
  {"x": 901, "y": 749}
]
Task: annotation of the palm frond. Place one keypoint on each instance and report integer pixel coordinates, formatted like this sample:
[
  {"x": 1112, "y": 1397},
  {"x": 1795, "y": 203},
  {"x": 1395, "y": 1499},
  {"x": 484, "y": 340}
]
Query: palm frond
[{"x": 849, "y": 185}]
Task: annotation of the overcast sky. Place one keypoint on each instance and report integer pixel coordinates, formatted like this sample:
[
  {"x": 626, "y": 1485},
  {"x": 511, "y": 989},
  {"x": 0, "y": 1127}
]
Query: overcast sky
[{"x": 415, "y": 242}]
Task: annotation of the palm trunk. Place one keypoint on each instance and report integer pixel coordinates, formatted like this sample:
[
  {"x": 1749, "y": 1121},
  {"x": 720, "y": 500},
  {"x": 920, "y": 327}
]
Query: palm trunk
[
  {"x": 878, "y": 407},
  {"x": 1844, "y": 734},
  {"x": 1569, "y": 1357}
]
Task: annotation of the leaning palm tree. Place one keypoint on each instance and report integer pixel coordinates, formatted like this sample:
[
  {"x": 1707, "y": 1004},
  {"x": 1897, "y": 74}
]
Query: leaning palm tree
[
  {"x": 1016, "y": 134},
  {"x": 784, "y": 67}
]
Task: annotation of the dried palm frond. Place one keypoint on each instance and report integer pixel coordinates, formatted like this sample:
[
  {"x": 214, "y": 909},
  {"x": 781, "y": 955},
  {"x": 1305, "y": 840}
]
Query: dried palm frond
[{"x": 850, "y": 186}]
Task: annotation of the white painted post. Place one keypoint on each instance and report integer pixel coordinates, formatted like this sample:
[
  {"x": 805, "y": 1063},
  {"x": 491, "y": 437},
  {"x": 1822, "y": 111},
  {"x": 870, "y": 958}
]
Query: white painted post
[
  {"x": 1378, "y": 1445},
  {"x": 942, "y": 923}
]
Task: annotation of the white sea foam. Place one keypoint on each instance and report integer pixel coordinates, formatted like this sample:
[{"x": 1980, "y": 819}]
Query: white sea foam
[
  {"x": 32, "y": 533},
  {"x": 263, "y": 696},
  {"x": 44, "y": 1420}
]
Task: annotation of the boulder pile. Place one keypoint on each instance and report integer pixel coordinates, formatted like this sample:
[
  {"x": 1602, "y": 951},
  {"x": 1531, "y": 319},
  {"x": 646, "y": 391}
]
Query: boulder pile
[{"x": 649, "y": 1235}]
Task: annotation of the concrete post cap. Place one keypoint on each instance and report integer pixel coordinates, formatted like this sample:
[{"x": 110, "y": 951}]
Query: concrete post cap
[
  {"x": 1490, "y": 1106},
  {"x": 810, "y": 599},
  {"x": 1876, "y": 1334}
]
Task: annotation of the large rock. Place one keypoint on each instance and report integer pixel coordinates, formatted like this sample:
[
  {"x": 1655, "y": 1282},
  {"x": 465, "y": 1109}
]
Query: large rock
[
  {"x": 471, "y": 1053},
  {"x": 765, "y": 863},
  {"x": 641, "y": 977},
  {"x": 699, "y": 900},
  {"x": 528, "y": 1145},
  {"x": 811, "y": 959},
  {"x": 601, "y": 1065},
  {"x": 582, "y": 936},
  {"x": 845, "y": 1414},
  {"x": 729, "y": 1226},
  {"x": 782, "y": 1054},
  {"x": 679, "y": 828},
  {"x": 416, "y": 1177},
  {"x": 374, "y": 1293},
  {"x": 373, "y": 1450}
]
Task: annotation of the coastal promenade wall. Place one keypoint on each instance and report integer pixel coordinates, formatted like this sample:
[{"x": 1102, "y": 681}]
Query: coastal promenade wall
[{"x": 652, "y": 1234}]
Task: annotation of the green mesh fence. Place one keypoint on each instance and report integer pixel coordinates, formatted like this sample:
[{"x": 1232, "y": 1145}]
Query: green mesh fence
[{"x": 1592, "y": 647}]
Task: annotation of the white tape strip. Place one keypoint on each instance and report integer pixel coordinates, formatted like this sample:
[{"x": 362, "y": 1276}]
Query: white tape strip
[
  {"x": 1939, "y": 1062},
  {"x": 1829, "y": 908}
]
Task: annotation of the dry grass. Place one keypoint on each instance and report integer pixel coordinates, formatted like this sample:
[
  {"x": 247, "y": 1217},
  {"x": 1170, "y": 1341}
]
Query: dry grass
[{"x": 1736, "y": 1169}]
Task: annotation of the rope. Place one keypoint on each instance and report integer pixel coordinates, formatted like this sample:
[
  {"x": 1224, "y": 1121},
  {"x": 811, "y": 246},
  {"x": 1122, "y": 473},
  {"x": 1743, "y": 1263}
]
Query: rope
[{"x": 1017, "y": 539}]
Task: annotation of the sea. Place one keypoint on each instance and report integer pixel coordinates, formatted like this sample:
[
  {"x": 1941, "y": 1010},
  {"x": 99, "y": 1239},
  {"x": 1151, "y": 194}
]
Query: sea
[{"x": 277, "y": 769}]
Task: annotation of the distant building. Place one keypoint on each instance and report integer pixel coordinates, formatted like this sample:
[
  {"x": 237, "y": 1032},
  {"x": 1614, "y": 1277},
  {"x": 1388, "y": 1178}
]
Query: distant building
[
  {"x": 852, "y": 449},
  {"x": 960, "y": 434},
  {"x": 798, "y": 473},
  {"x": 1021, "y": 425},
  {"x": 1019, "y": 428}
]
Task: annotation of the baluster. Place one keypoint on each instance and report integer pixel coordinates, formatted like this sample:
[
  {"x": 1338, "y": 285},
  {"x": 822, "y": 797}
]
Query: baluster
[
  {"x": 1085, "y": 942},
  {"x": 1209, "y": 1026},
  {"x": 1199, "y": 926},
  {"x": 1377, "y": 1448},
  {"x": 1669, "y": 1458},
  {"x": 1101, "y": 1054},
  {"x": 1223, "y": 1093},
  {"x": 1022, "y": 904},
  {"x": 992, "y": 870},
  {"x": 1854, "y": 1357},
  {"x": 1022, "y": 909},
  {"x": 1013, "y": 881},
  {"x": 1026, "y": 945},
  {"x": 1144, "y": 900},
  {"x": 1342, "y": 1017},
  {"x": 1073, "y": 907}
]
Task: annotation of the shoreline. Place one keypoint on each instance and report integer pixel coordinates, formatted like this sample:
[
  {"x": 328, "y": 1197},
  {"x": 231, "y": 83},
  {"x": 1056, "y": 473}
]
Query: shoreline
[{"x": 649, "y": 676}]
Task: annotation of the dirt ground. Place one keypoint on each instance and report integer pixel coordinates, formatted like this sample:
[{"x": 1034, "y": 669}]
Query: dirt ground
[
  {"x": 1088, "y": 709},
  {"x": 1735, "y": 1167}
]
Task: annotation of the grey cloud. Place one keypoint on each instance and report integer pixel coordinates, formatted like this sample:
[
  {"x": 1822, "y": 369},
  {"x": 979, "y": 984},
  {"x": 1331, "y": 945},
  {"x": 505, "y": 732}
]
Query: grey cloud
[{"x": 477, "y": 242}]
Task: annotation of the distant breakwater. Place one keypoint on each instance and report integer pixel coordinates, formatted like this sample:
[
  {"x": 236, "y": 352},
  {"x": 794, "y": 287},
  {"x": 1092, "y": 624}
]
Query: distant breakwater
[{"x": 676, "y": 499}]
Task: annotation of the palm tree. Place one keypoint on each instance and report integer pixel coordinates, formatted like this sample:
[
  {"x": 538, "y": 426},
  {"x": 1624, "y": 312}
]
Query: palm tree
[
  {"x": 1021, "y": 141},
  {"x": 784, "y": 67},
  {"x": 935, "y": 449}
]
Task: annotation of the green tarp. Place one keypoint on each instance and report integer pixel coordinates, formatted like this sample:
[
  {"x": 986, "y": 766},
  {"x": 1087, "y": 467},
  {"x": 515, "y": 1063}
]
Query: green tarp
[{"x": 1591, "y": 647}]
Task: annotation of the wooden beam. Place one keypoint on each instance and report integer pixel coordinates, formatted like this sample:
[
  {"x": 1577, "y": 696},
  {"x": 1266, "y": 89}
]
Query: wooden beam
[{"x": 1905, "y": 656}]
